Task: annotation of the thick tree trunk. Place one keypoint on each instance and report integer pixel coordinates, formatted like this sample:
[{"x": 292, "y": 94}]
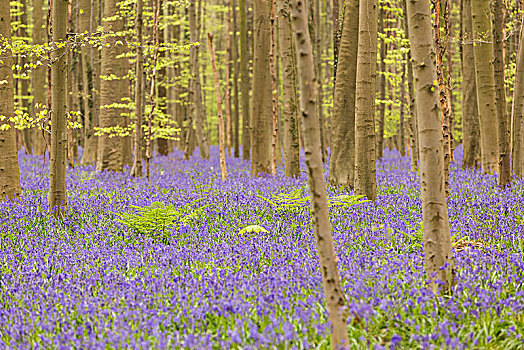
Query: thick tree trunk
[
  {"x": 260, "y": 111},
  {"x": 470, "y": 116},
  {"x": 289, "y": 91},
  {"x": 274, "y": 92},
  {"x": 244, "y": 83},
  {"x": 335, "y": 298},
  {"x": 483, "y": 53},
  {"x": 221, "y": 140},
  {"x": 58, "y": 156},
  {"x": 195, "y": 89},
  {"x": 436, "y": 236},
  {"x": 365, "y": 147},
  {"x": 500, "y": 94},
  {"x": 110, "y": 146},
  {"x": 9, "y": 171},
  {"x": 342, "y": 161},
  {"x": 38, "y": 74}
]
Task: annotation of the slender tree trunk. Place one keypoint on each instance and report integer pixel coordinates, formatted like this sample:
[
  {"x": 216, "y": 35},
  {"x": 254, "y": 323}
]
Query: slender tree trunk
[
  {"x": 518, "y": 111},
  {"x": 236, "y": 114},
  {"x": 244, "y": 83},
  {"x": 342, "y": 161},
  {"x": 24, "y": 81},
  {"x": 228, "y": 75},
  {"x": 260, "y": 121},
  {"x": 58, "y": 155},
  {"x": 500, "y": 94},
  {"x": 483, "y": 53},
  {"x": 289, "y": 91},
  {"x": 470, "y": 116},
  {"x": 335, "y": 298},
  {"x": 443, "y": 96},
  {"x": 38, "y": 74},
  {"x": 110, "y": 146},
  {"x": 84, "y": 25},
  {"x": 315, "y": 34},
  {"x": 9, "y": 171},
  {"x": 221, "y": 141},
  {"x": 365, "y": 147},
  {"x": 401, "y": 114},
  {"x": 382, "y": 88},
  {"x": 274, "y": 101},
  {"x": 415, "y": 157},
  {"x": 139, "y": 109},
  {"x": 436, "y": 236}
]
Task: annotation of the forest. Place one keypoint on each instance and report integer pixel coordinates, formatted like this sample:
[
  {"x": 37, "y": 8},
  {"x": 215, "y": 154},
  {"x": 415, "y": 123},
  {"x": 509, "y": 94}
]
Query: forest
[{"x": 261, "y": 174}]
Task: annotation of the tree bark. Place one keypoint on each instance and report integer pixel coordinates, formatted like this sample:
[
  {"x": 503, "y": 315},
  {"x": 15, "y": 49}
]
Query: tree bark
[
  {"x": 244, "y": 83},
  {"x": 110, "y": 146},
  {"x": 365, "y": 147},
  {"x": 470, "y": 116},
  {"x": 139, "y": 109},
  {"x": 483, "y": 53},
  {"x": 289, "y": 91},
  {"x": 436, "y": 236},
  {"x": 195, "y": 90},
  {"x": 228, "y": 76},
  {"x": 236, "y": 102},
  {"x": 517, "y": 119},
  {"x": 381, "y": 89},
  {"x": 38, "y": 74},
  {"x": 24, "y": 81},
  {"x": 84, "y": 25},
  {"x": 335, "y": 298},
  {"x": 9, "y": 171},
  {"x": 274, "y": 101},
  {"x": 223, "y": 169},
  {"x": 260, "y": 111},
  {"x": 342, "y": 161},
  {"x": 500, "y": 94},
  {"x": 58, "y": 155}
]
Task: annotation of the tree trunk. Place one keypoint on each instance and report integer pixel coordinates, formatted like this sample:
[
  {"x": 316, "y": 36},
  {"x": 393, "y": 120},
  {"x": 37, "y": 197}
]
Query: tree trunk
[
  {"x": 365, "y": 147},
  {"x": 244, "y": 83},
  {"x": 139, "y": 109},
  {"x": 415, "y": 157},
  {"x": 38, "y": 74},
  {"x": 195, "y": 89},
  {"x": 342, "y": 162},
  {"x": 335, "y": 298},
  {"x": 483, "y": 53},
  {"x": 401, "y": 142},
  {"x": 221, "y": 132},
  {"x": 9, "y": 171},
  {"x": 228, "y": 76},
  {"x": 500, "y": 94},
  {"x": 436, "y": 236},
  {"x": 236, "y": 114},
  {"x": 274, "y": 93},
  {"x": 58, "y": 155},
  {"x": 110, "y": 146},
  {"x": 289, "y": 91},
  {"x": 84, "y": 25},
  {"x": 517, "y": 120},
  {"x": 317, "y": 58},
  {"x": 24, "y": 80},
  {"x": 382, "y": 88},
  {"x": 91, "y": 143},
  {"x": 260, "y": 111},
  {"x": 470, "y": 116}
]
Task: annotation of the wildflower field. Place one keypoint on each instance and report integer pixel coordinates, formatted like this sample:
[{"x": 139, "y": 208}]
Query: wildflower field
[{"x": 169, "y": 263}]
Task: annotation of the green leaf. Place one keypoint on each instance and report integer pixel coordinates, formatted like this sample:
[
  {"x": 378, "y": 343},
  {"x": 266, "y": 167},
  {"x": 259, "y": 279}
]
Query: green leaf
[{"x": 253, "y": 228}]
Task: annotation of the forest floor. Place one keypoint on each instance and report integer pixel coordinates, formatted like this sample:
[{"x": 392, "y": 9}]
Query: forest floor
[{"x": 166, "y": 263}]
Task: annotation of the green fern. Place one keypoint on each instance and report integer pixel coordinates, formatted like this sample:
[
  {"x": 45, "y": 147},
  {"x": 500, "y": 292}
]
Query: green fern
[{"x": 159, "y": 221}]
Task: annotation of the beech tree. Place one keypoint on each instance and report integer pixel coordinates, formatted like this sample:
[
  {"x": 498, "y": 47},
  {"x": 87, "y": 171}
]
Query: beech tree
[
  {"x": 436, "y": 236},
  {"x": 333, "y": 293},
  {"x": 9, "y": 171}
]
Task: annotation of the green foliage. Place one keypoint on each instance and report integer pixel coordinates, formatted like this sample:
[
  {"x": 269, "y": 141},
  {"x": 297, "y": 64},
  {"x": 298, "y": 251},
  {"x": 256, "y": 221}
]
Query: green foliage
[
  {"x": 161, "y": 221},
  {"x": 254, "y": 229}
]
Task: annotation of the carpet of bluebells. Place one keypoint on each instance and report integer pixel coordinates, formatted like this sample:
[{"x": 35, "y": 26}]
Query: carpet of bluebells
[{"x": 91, "y": 281}]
